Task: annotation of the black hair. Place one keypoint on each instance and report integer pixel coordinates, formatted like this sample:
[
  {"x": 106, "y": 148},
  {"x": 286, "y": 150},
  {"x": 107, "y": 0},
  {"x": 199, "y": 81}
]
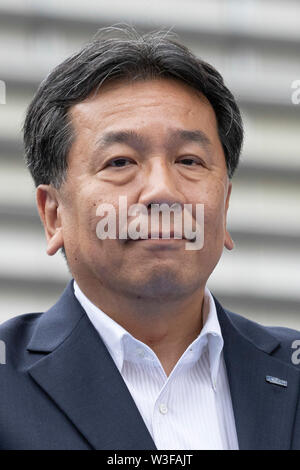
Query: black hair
[{"x": 118, "y": 53}]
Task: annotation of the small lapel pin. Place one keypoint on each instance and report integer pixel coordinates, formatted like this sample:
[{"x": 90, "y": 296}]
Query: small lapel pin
[{"x": 276, "y": 381}]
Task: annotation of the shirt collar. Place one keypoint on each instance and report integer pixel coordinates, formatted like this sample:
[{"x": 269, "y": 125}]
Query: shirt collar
[{"x": 123, "y": 346}]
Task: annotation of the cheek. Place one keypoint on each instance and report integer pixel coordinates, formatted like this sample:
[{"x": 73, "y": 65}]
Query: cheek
[
  {"x": 85, "y": 206},
  {"x": 79, "y": 221},
  {"x": 91, "y": 213},
  {"x": 214, "y": 210}
]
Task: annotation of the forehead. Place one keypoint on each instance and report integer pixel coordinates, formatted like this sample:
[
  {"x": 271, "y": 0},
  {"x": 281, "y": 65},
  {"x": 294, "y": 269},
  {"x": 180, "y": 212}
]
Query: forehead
[{"x": 120, "y": 102}]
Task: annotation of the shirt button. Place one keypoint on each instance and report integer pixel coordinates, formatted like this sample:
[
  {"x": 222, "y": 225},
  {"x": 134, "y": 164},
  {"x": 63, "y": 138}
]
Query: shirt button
[{"x": 163, "y": 408}]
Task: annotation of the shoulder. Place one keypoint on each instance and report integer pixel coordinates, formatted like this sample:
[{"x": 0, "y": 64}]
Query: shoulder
[
  {"x": 279, "y": 332},
  {"x": 18, "y": 324},
  {"x": 16, "y": 332},
  {"x": 287, "y": 339}
]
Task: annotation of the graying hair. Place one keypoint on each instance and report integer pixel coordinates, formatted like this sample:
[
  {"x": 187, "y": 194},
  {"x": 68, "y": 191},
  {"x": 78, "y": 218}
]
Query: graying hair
[{"x": 118, "y": 53}]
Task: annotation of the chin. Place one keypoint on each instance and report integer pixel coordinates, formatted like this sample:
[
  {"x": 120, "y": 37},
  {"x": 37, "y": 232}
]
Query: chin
[{"x": 165, "y": 284}]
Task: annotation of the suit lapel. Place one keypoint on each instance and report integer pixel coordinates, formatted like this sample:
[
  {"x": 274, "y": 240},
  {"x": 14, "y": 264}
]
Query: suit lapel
[
  {"x": 82, "y": 379},
  {"x": 264, "y": 412}
]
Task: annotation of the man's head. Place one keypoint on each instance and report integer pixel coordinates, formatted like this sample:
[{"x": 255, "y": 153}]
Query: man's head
[{"x": 139, "y": 117}]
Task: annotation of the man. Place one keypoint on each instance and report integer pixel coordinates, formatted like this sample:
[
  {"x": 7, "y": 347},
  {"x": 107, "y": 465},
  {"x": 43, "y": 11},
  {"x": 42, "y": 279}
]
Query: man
[{"x": 137, "y": 353}]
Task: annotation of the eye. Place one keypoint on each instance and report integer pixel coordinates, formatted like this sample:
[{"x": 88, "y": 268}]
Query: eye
[
  {"x": 190, "y": 161},
  {"x": 119, "y": 162}
]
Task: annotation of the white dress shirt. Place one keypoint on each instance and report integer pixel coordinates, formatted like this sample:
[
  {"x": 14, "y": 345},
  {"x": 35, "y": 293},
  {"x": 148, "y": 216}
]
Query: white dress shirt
[{"x": 191, "y": 408}]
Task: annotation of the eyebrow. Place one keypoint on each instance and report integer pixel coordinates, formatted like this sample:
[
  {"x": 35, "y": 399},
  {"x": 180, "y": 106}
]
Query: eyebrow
[
  {"x": 130, "y": 138},
  {"x": 141, "y": 143},
  {"x": 178, "y": 136}
]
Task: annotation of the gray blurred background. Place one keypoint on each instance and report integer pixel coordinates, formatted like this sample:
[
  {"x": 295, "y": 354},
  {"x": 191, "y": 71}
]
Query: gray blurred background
[{"x": 256, "y": 46}]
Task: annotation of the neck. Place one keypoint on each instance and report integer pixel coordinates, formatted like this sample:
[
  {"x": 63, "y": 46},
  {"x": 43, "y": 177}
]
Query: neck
[{"x": 167, "y": 327}]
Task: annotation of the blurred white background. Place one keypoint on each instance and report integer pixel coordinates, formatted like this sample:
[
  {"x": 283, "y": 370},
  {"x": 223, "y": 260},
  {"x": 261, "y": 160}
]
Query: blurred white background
[{"x": 256, "y": 46}]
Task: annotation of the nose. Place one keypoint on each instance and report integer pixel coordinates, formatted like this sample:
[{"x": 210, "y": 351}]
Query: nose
[{"x": 159, "y": 185}]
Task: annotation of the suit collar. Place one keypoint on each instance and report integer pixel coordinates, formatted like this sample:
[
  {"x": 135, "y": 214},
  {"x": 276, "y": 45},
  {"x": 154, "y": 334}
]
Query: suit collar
[
  {"x": 55, "y": 325},
  {"x": 264, "y": 412}
]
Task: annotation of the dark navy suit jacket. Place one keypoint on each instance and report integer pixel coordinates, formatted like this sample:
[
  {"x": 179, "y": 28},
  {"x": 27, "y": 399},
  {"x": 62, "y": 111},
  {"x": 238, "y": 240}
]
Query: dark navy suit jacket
[{"x": 60, "y": 388}]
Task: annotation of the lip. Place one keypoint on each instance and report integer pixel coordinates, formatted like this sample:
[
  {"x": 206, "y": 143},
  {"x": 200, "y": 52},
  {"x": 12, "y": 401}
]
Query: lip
[
  {"x": 160, "y": 244},
  {"x": 159, "y": 240},
  {"x": 171, "y": 236}
]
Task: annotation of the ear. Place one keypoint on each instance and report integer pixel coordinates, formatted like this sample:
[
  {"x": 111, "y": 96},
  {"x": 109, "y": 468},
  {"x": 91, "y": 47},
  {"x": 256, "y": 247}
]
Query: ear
[
  {"x": 49, "y": 211},
  {"x": 228, "y": 242}
]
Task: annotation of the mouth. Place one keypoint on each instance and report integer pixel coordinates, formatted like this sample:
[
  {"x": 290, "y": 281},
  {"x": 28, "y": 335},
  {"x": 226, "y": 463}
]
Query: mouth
[{"x": 163, "y": 238}]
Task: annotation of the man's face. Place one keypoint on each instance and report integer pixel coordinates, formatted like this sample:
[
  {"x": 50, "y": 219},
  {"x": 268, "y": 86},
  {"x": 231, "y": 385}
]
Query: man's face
[{"x": 138, "y": 140}]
